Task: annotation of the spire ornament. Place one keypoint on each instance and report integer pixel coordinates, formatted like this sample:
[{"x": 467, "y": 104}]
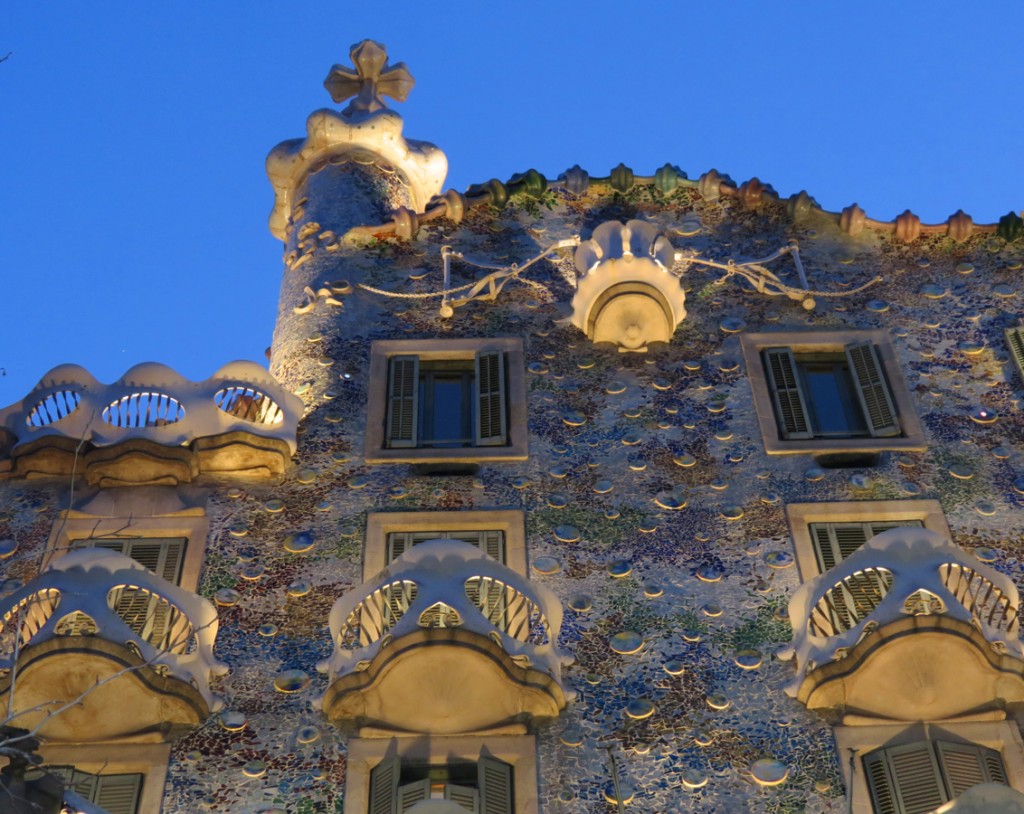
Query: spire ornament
[{"x": 372, "y": 79}]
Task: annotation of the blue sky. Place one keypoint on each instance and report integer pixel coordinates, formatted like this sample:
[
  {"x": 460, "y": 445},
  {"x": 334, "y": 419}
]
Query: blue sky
[{"x": 133, "y": 135}]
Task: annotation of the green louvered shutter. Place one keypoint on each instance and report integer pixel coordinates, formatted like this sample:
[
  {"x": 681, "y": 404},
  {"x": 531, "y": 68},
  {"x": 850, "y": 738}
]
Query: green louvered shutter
[
  {"x": 880, "y": 784},
  {"x": 872, "y": 390},
  {"x": 463, "y": 796},
  {"x": 965, "y": 765},
  {"x": 834, "y": 542},
  {"x": 411, "y": 793},
  {"x": 1015, "y": 342},
  {"x": 790, "y": 404},
  {"x": 398, "y": 543},
  {"x": 492, "y": 541},
  {"x": 118, "y": 793},
  {"x": 83, "y": 783},
  {"x": 384, "y": 786},
  {"x": 164, "y": 556},
  {"x": 493, "y": 544},
  {"x": 491, "y": 421},
  {"x": 915, "y": 782},
  {"x": 403, "y": 401},
  {"x": 495, "y": 786},
  {"x": 141, "y": 611}
]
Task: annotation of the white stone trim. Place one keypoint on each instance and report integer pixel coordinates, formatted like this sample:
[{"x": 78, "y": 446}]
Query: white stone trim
[
  {"x": 149, "y": 760},
  {"x": 138, "y": 512},
  {"x": 380, "y": 524},
  {"x": 801, "y": 515},
  {"x": 912, "y": 438},
  {"x": 376, "y": 452}
]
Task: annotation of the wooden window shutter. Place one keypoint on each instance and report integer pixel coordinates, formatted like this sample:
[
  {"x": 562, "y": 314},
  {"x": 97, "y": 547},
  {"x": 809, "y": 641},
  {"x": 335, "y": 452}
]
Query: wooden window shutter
[
  {"x": 787, "y": 395},
  {"x": 118, "y": 793},
  {"x": 493, "y": 543},
  {"x": 912, "y": 770},
  {"x": 966, "y": 764},
  {"x": 1015, "y": 342},
  {"x": 83, "y": 783},
  {"x": 834, "y": 542},
  {"x": 495, "y": 786},
  {"x": 872, "y": 390},
  {"x": 384, "y": 786},
  {"x": 880, "y": 784},
  {"x": 402, "y": 420},
  {"x": 491, "y": 421},
  {"x": 463, "y": 796},
  {"x": 411, "y": 793},
  {"x": 398, "y": 543},
  {"x": 164, "y": 556}
]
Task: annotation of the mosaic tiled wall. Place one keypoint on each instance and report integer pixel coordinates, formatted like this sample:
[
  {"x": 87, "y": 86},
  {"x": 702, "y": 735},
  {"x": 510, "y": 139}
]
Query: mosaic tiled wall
[{"x": 652, "y": 510}]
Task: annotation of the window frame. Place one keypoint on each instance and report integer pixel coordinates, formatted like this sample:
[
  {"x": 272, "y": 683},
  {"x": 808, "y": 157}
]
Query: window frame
[
  {"x": 519, "y": 751},
  {"x": 801, "y": 515},
  {"x": 376, "y": 449},
  {"x": 137, "y": 513},
  {"x": 815, "y": 342},
  {"x": 380, "y": 524},
  {"x": 148, "y": 759},
  {"x": 859, "y": 741}
]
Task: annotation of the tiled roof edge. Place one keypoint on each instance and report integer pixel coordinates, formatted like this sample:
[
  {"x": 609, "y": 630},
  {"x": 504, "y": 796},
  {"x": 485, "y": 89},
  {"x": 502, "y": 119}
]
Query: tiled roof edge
[{"x": 669, "y": 179}]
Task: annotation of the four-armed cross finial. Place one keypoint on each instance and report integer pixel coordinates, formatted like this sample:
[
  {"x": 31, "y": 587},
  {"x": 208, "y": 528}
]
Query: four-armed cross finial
[{"x": 372, "y": 79}]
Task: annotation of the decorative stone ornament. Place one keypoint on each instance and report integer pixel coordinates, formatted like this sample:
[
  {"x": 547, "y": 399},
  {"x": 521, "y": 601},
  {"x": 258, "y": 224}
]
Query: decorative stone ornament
[
  {"x": 371, "y": 80},
  {"x": 366, "y": 132},
  {"x": 626, "y": 293}
]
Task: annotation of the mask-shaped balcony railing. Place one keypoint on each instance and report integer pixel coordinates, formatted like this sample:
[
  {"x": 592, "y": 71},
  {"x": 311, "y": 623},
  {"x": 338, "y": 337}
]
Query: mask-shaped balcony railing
[
  {"x": 447, "y": 592},
  {"x": 99, "y": 603},
  {"x": 899, "y": 575},
  {"x": 151, "y": 404}
]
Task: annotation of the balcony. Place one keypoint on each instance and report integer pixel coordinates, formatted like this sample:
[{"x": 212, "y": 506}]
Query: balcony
[
  {"x": 98, "y": 648},
  {"x": 910, "y": 627},
  {"x": 151, "y": 427},
  {"x": 445, "y": 640}
]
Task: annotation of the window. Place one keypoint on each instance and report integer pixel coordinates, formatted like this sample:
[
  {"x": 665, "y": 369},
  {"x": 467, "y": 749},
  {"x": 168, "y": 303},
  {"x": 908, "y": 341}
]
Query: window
[
  {"x": 163, "y": 556},
  {"x": 499, "y": 532},
  {"x": 122, "y": 778},
  {"x": 495, "y": 774},
  {"x": 163, "y": 528},
  {"x": 491, "y": 541},
  {"x": 439, "y": 401},
  {"x": 824, "y": 534},
  {"x": 145, "y": 613},
  {"x": 915, "y": 768},
  {"x": 1015, "y": 341},
  {"x": 830, "y": 393},
  {"x": 916, "y": 778},
  {"x": 834, "y": 542},
  {"x": 115, "y": 793},
  {"x": 484, "y": 787}
]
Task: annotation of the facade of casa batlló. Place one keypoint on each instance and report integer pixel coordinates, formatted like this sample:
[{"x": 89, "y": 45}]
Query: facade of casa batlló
[{"x": 597, "y": 494}]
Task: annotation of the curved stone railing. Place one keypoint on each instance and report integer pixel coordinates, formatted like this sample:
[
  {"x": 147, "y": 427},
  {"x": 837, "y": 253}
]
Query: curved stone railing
[
  {"x": 898, "y": 573},
  {"x": 93, "y": 592},
  {"x": 446, "y": 583},
  {"x": 153, "y": 402}
]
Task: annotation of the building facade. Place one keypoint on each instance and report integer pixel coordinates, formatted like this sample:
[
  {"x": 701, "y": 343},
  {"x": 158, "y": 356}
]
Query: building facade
[{"x": 604, "y": 493}]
